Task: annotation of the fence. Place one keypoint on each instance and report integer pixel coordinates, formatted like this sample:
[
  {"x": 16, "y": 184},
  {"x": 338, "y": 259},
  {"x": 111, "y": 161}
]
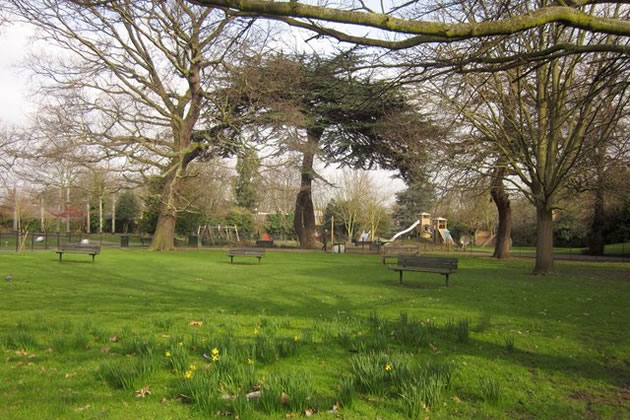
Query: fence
[
  {"x": 10, "y": 241},
  {"x": 50, "y": 240}
]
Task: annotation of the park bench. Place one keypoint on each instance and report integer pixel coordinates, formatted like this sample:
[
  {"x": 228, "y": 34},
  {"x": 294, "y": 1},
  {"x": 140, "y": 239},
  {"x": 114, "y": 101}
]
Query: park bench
[
  {"x": 246, "y": 252},
  {"x": 444, "y": 266},
  {"x": 92, "y": 250},
  {"x": 399, "y": 251}
]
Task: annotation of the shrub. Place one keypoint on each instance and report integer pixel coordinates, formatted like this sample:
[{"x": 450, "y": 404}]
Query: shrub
[
  {"x": 21, "y": 340},
  {"x": 126, "y": 373},
  {"x": 491, "y": 389},
  {"x": 346, "y": 392},
  {"x": 509, "y": 343},
  {"x": 290, "y": 392}
]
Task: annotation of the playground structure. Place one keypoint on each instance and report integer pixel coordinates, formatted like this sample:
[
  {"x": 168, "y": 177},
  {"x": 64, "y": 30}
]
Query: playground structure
[
  {"x": 435, "y": 229},
  {"x": 484, "y": 238},
  {"x": 218, "y": 233}
]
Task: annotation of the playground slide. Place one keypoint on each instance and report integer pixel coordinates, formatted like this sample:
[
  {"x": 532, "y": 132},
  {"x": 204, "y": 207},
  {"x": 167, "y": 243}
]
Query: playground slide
[
  {"x": 402, "y": 232},
  {"x": 446, "y": 237},
  {"x": 489, "y": 241}
]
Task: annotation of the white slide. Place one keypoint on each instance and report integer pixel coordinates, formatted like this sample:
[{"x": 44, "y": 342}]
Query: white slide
[{"x": 402, "y": 232}]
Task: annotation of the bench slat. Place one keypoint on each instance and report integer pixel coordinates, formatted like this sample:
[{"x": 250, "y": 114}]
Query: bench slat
[
  {"x": 246, "y": 252},
  {"x": 91, "y": 250},
  {"x": 398, "y": 252},
  {"x": 437, "y": 265}
]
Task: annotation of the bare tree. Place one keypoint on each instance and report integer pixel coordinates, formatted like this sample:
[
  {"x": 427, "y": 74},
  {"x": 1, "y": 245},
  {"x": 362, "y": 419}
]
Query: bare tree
[
  {"x": 539, "y": 117},
  {"x": 280, "y": 180},
  {"x": 139, "y": 81},
  {"x": 418, "y": 23},
  {"x": 9, "y": 149},
  {"x": 353, "y": 189}
]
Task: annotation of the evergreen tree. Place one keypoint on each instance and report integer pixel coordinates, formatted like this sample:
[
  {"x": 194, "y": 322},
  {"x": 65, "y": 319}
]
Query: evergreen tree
[
  {"x": 417, "y": 198},
  {"x": 127, "y": 210},
  {"x": 248, "y": 180}
]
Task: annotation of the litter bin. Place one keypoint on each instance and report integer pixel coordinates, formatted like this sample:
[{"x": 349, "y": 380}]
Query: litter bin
[
  {"x": 124, "y": 241},
  {"x": 193, "y": 241},
  {"x": 339, "y": 248}
]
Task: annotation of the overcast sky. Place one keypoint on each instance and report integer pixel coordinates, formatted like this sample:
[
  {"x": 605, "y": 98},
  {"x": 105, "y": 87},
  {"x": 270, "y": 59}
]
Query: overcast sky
[
  {"x": 14, "y": 91},
  {"x": 13, "y": 47}
]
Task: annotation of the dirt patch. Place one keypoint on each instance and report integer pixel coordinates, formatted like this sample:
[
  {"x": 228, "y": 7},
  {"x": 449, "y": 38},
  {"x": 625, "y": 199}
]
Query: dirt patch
[
  {"x": 619, "y": 397},
  {"x": 582, "y": 396},
  {"x": 624, "y": 394}
]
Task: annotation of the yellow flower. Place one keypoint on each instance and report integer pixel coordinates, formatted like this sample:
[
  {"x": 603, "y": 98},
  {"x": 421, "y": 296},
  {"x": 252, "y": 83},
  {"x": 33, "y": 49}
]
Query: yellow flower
[
  {"x": 250, "y": 361},
  {"x": 215, "y": 351},
  {"x": 167, "y": 354},
  {"x": 256, "y": 331},
  {"x": 388, "y": 367},
  {"x": 215, "y": 357},
  {"x": 296, "y": 338},
  {"x": 188, "y": 374},
  {"x": 180, "y": 344},
  {"x": 192, "y": 368}
]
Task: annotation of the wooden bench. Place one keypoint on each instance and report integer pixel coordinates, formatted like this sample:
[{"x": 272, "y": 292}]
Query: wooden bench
[
  {"x": 246, "y": 252},
  {"x": 92, "y": 250},
  {"x": 397, "y": 252},
  {"x": 444, "y": 266}
]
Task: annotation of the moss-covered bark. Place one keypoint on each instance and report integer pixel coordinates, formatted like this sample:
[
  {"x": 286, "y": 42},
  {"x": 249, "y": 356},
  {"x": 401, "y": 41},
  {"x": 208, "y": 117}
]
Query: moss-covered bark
[
  {"x": 544, "y": 239},
  {"x": 424, "y": 31},
  {"x": 502, "y": 201},
  {"x": 304, "y": 221}
]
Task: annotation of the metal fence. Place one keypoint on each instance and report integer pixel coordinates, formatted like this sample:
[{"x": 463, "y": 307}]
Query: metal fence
[
  {"x": 33, "y": 241},
  {"x": 50, "y": 240}
]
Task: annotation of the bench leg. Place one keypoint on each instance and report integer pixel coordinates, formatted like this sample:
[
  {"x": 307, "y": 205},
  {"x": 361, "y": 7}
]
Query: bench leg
[
  {"x": 259, "y": 260},
  {"x": 447, "y": 280},
  {"x": 231, "y": 259},
  {"x": 92, "y": 258},
  {"x": 60, "y": 254},
  {"x": 400, "y": 275}
]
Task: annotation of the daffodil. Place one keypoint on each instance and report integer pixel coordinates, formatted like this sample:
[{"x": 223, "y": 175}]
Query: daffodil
[
  {"x": 192, "y": 368},
  {"x": 215, "y": 351},
  {"x": 296, "y": 338},
  {"x": 388, "y": 367},
  {"x": 215, "y": 357},
  {"x": 180, "y": 344},
  {"x": 256, "y": 331},
  {"x": 188, "y": 374},
  {"x": 167, "y": 354},
  {"x": 250, "y": 361}
]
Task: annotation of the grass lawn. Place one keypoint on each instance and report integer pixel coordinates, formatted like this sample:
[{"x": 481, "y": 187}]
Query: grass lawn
[
  {"x": 617, "y": 249},
  {"x": 309, "y": 330}
]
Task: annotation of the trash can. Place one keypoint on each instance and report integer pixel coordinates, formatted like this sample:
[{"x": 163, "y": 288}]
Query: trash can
[
  {"x": 124, "y": 241},
  {"x": 193, "y": 241},
  {"x": 339, "y": 248}
]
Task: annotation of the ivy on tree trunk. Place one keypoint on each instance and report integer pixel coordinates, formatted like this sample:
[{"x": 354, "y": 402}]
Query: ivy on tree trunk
[
  {"x": 304, "y": 221},
  {"x": 502, "y": 201}
]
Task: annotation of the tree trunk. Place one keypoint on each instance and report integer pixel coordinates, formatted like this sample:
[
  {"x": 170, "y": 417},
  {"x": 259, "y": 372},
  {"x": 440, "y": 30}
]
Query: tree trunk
[
  {"x": 304, "y": 221},
  {"x": 596, "y": 236},
  {"x": 502, "y": 201},
  {"x": 164, "y": 235},
  {"x": 544, "y": 240}
]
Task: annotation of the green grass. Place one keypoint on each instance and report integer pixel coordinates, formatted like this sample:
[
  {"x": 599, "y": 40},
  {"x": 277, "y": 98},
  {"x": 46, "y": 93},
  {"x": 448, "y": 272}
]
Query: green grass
[
  {"x": 618, "y": 249},
  {"x": 309, "y": 330}
]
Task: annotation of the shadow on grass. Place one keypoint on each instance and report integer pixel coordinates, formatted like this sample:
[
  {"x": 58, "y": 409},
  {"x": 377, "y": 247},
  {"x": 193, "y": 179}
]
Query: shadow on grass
[{"x": 306, "y": 289}]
